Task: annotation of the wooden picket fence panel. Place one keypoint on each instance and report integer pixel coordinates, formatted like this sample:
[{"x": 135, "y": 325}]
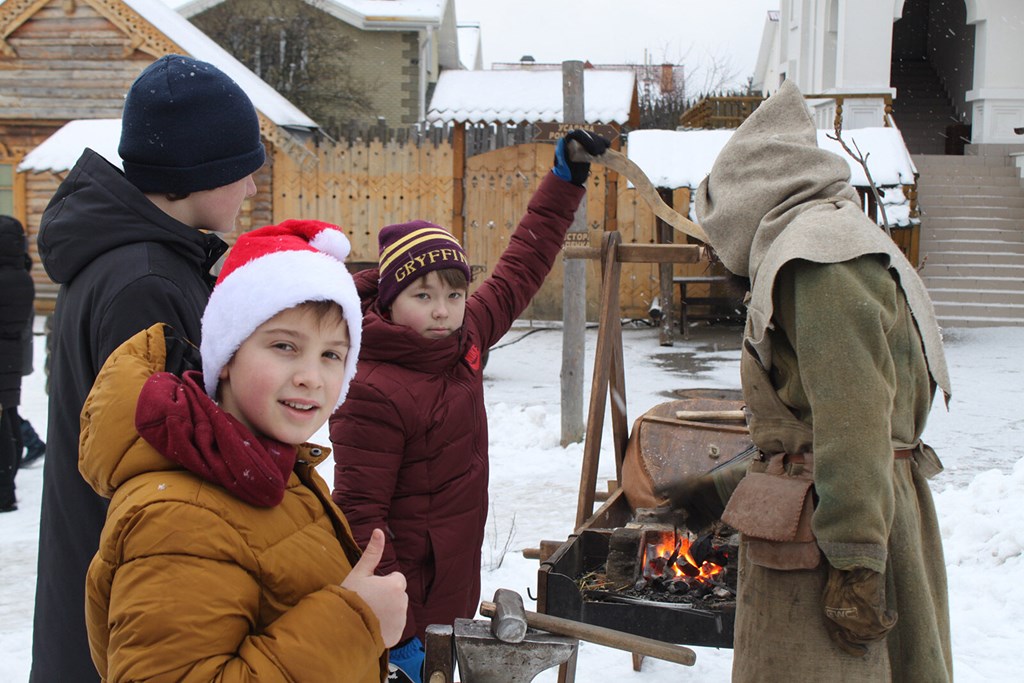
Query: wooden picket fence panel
[{"x": 363, "y": 186}]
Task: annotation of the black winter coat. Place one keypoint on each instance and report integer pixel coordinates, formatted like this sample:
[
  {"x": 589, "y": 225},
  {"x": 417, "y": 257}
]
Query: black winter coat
[
  {"x": 122, "y": 265},
  {"x": 15, "y": 308}
]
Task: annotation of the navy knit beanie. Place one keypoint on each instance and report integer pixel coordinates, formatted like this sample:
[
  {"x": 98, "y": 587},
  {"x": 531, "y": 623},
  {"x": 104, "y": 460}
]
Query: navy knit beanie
[{"x": 187, "y": 127}]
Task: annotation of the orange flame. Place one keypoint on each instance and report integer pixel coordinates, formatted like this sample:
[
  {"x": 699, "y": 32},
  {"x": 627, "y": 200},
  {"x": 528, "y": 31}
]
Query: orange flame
[{"x": 658, "y": 554}]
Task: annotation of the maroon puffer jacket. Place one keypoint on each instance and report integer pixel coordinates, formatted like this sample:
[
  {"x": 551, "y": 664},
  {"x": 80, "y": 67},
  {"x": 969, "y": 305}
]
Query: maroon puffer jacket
[{"x": 411, "y": 438}]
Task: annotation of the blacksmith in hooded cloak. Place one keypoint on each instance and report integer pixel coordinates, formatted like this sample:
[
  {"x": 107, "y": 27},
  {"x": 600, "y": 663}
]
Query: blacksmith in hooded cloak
[{"x": 841, "y": 359}]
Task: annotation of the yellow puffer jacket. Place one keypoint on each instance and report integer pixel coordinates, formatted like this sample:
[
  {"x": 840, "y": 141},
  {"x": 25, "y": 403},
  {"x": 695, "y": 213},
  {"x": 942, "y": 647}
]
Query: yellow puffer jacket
[{"x": 192, "y": 584}]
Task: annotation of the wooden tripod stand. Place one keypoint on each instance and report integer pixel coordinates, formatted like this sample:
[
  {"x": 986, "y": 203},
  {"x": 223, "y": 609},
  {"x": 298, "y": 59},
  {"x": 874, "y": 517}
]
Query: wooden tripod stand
[{"x": 609, "y": 374}]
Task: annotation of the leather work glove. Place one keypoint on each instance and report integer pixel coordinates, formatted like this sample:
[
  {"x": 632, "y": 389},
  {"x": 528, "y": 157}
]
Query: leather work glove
[
  {"x": 576, "y": 172},
  {"x": 693, "y": 503},
  {"x": 855, "y": 613}
]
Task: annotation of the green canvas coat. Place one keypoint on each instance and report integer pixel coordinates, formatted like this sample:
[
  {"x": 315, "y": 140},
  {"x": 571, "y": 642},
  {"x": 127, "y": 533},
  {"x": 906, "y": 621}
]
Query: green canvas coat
[{"x": 841, "y": 358}]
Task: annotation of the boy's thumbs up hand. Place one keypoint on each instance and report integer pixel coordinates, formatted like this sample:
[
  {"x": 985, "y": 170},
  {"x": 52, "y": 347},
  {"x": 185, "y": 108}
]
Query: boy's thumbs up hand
[
  {"x": 385, "y": 595},
  {"x": 371, "y": 555}
]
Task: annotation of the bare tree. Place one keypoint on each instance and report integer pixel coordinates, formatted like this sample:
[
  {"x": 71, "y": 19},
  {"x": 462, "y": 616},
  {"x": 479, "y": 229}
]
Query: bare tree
[
  {"x": 296, "y": 49},
  {"x": 716, "y": 73},
  {"x": 661, "y": 94},
  {"x": 666, "y": 89}
]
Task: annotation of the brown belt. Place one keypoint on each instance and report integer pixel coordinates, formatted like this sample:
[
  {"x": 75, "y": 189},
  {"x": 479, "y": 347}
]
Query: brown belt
[{"x": 800, "y": 459}]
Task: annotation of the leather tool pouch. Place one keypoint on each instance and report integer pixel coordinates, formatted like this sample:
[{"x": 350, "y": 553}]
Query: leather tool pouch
[{"x": 773, "y": 509}]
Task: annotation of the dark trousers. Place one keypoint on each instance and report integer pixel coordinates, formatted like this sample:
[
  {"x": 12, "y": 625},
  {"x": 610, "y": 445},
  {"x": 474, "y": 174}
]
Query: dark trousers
[
  {"x": 33, "y": 447},
  {"x": 10, "y": 454}
]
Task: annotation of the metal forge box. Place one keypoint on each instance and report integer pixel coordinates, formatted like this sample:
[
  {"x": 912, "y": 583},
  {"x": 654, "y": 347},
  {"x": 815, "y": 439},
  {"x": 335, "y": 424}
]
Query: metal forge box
[{"x": 626, "y": 569}]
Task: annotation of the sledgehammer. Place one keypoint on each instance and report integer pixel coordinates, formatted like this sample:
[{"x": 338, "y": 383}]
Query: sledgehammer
[{"x": 509, "y": 621}]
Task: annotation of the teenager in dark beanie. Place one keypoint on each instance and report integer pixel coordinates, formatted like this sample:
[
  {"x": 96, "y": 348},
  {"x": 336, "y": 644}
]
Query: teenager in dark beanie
[{"x": 128, "y": 250}]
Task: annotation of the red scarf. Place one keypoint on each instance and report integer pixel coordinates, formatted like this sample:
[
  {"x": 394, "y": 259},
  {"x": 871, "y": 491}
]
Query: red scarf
[{"x": 177, "y": 418}]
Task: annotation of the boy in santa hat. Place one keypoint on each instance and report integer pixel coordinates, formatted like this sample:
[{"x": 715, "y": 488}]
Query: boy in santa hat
[
  {"x": 411, "y": 441},
  {"x": 222, "y": 556}
]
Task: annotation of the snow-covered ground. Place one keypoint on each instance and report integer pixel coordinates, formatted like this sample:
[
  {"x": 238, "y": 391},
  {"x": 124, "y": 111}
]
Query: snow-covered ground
[{"x": 534, "y": 486}]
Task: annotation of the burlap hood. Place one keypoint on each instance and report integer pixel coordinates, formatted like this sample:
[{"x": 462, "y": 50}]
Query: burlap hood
[{"x": 774, "y": 196}]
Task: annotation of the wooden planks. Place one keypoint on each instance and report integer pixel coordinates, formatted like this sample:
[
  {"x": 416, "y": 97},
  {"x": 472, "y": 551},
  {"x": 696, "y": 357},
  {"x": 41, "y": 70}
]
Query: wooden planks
[{"x": 363, "y": 186}]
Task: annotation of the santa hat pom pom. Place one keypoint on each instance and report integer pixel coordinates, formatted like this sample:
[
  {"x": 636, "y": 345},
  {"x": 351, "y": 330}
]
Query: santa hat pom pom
[{"x": 332, "y": 241}]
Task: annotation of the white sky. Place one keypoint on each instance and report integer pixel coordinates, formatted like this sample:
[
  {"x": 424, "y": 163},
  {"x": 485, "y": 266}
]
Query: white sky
[{"x": 695, "y": 33}]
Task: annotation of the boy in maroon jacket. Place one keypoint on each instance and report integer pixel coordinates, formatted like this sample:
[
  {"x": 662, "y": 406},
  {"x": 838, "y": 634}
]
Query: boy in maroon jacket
[{"x": 411, "y": 440}]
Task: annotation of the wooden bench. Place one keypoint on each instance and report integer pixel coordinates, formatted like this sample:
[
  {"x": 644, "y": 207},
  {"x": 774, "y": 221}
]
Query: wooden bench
[{"x": 722, "y": 307}]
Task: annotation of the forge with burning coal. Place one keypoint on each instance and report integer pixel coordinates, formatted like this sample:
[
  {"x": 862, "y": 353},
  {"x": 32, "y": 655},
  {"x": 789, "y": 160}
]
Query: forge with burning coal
[
  {"x": 648, "y": 579},
  {"x": 662, "y": 564}
]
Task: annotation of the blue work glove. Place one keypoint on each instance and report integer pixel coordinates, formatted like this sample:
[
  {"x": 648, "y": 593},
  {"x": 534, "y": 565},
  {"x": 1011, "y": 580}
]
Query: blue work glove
[
  {"x": 406, "y": 662},
  {"x": 576, "y": 172}
]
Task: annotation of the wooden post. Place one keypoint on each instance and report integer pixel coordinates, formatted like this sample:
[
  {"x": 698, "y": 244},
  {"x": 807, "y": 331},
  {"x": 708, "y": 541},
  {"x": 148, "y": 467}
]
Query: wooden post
[
  {"x": 665, "y": 271},
  {"x": 608, "y": 374},
  {"x": 574, "y": 285},
  {"x": 458, "y": 177}
]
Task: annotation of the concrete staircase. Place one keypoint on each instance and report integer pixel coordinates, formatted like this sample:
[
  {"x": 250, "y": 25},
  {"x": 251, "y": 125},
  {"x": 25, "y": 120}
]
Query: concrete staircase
[{"x": 972, "y": 239}]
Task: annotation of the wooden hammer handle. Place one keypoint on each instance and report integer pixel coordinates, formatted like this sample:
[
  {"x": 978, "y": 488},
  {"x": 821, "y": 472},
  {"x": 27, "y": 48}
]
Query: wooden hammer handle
[{"x": 603, "y": 636}]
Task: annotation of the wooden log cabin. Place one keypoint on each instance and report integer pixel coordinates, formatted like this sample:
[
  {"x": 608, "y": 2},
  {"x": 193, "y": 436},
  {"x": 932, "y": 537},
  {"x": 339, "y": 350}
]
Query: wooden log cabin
[{"x": 68, "y": 60}]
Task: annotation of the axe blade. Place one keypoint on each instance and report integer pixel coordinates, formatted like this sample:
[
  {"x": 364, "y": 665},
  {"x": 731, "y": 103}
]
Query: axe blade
[{"x": 621, "y": 164}]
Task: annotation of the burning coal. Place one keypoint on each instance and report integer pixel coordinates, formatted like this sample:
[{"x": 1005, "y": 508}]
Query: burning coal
[{"x": 671, "y": 563}]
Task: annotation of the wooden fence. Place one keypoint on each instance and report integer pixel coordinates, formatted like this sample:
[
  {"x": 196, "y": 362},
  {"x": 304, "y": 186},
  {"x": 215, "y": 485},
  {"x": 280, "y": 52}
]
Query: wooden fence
[
  {"x": 419, "y": 174},
  {"x": 363, "y": 186},
  {"x": 720, "y": 112}
]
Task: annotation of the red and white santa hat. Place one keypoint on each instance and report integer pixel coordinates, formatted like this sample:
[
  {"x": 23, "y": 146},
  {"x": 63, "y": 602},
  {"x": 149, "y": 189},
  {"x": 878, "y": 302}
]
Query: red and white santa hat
[{"x": 272, "y": 269}]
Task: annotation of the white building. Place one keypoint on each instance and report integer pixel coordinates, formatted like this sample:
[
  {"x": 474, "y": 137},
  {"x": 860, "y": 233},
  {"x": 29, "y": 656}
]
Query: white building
[{"x": 951, "y": 68}]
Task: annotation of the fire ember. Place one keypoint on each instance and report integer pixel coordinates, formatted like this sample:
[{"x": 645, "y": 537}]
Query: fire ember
[{"x": 665, "y": 566}]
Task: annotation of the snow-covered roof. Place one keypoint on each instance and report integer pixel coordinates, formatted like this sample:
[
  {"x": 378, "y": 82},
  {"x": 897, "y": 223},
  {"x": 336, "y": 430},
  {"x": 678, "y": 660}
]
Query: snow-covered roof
[
  {"x": 197, "y": 44},
  {"x": 681, "y": 158},
  {"x": 514, "y": 96},
  {"x": 395, "y": 14},
  {"x": 674, "y": 159},
  {"x": 60, "y": 151}
]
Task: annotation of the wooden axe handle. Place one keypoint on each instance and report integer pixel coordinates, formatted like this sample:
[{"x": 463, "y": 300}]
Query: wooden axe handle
[
  {"x": 620, "y": 163},
  {"x": 603, "y": 636}
]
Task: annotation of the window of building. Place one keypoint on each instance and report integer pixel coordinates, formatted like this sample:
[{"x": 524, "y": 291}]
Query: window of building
[{"x": 6, "y": 189}]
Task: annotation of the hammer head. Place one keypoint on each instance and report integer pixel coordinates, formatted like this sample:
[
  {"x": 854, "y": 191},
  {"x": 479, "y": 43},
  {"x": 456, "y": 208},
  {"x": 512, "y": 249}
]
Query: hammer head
[{"x": 509, "y": 621}]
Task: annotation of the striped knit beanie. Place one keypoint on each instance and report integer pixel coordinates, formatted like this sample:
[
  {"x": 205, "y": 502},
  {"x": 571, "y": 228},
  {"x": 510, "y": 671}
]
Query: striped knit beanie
[{"x": 411, "y": 250}]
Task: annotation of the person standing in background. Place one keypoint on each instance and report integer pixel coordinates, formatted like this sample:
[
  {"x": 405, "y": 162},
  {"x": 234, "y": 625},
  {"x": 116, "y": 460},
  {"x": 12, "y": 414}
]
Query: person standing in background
[
  {"x": 128, "y": 250},
  {"x": 32, "y": 447},
  {"x": 15, "y": 310}
]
